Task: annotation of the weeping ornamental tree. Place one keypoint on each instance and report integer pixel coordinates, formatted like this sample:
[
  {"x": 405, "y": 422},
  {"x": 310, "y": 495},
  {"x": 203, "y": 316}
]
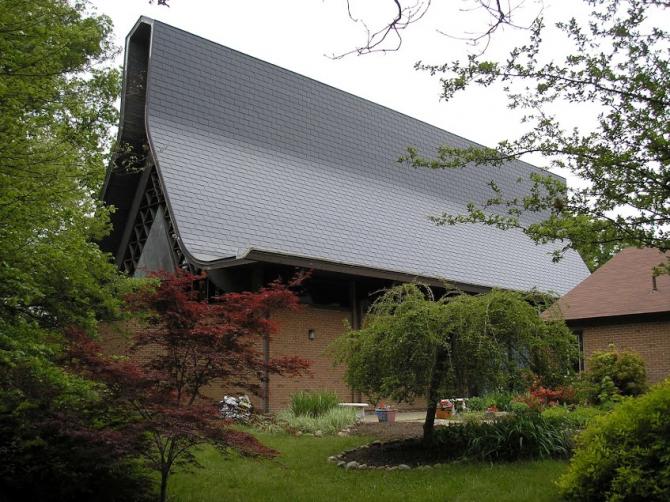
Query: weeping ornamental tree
[{"x": 413, "y": 345}]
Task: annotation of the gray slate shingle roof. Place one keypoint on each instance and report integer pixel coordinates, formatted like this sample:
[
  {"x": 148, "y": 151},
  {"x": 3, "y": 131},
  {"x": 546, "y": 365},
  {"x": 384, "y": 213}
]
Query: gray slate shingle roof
[{"x": 255, "y": 157}]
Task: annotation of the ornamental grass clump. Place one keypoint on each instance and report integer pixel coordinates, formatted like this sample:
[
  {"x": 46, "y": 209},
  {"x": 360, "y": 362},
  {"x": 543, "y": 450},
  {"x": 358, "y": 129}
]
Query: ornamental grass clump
[
  {"x": 515, "y": 437},
  {"x": 330, "y": 422},
  {"x": 313, "y": 404}
]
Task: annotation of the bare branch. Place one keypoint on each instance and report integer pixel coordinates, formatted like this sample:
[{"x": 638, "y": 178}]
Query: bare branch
[
  {"x": 376, "y": 40},
  {"x": 500, "y": 14}
]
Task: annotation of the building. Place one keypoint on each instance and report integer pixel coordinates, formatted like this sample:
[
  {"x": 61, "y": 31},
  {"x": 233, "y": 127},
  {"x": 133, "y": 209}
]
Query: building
[
  {"x": 246, "y": 170},
  {"x": 622, "y": 303}
]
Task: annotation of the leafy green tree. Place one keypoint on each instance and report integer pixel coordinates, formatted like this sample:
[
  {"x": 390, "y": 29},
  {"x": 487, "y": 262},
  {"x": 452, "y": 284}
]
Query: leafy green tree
[
  {"x": 616, "y": 75},
  {"x": 57, "y": 103},
  {"x": 415, "y": 346}
]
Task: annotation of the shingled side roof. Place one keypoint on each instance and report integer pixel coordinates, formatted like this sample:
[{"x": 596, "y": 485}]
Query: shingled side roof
[
  {"x": 258, "y": 159},
  {"x": 621, "y": 287}
]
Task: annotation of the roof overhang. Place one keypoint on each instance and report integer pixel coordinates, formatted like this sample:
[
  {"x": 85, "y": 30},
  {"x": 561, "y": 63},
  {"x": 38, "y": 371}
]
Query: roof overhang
[{"x": 256, "y": 255}]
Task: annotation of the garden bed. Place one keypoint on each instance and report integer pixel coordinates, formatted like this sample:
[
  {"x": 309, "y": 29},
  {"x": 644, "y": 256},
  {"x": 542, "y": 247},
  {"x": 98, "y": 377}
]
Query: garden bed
[
  {"x": 408, "y": 452},
  {"x": 386, "y": 432}
]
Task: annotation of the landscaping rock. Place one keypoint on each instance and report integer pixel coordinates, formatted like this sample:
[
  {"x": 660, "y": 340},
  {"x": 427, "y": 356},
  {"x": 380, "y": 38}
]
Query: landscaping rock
[
  {"x": 318, "y": 434},
  {"x": 341, "y": 463},
  {"x": 342, "y": 433},
  {"x": 351, "y": 465},
  {"x": 299, "y": 433},
  {"x": 362, "y": 466},
  {"x": 404, "y": 467},
  {"x": 332, "y": 459}
]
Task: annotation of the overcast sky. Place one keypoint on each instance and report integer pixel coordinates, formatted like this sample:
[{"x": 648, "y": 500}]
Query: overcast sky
[{"x": 299, "y": 34}]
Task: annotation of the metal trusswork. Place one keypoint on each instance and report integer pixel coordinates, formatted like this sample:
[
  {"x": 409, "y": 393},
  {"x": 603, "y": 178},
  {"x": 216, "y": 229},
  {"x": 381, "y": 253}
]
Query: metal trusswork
[{"x": 152, "y": 202}]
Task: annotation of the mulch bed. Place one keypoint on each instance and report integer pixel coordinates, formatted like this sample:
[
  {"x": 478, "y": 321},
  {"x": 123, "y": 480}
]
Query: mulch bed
[
  {"x": 410, "y": 452},
  {"x": 387, "y": 432}
]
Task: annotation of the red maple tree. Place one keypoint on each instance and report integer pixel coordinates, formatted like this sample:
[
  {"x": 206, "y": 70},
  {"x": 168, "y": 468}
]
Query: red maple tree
[{"x": 188, "y": 342}]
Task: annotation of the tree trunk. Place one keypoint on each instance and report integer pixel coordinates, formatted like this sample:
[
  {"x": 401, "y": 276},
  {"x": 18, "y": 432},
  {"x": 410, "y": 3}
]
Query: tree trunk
[
  {"x": 432, "y": 396},
  {"x": 164, "y": 480}
]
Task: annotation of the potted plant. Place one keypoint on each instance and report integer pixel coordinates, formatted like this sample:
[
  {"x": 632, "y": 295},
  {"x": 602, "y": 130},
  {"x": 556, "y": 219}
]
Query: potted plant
[
  {"x": 385, "y": 413},
  {"x": 445, "y": 409}
]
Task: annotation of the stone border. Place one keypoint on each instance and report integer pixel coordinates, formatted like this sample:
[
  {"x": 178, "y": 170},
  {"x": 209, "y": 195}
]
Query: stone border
[{"x": 353, "y": 465}]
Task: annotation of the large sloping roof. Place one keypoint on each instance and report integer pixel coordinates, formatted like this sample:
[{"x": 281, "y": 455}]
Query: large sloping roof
[
  {"x": 623, "y": 286},
  {"x": 258, "y": 159}
]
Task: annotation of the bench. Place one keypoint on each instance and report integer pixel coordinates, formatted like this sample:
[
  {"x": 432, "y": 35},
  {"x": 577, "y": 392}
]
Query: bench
[{"x": 359, "y": 407}]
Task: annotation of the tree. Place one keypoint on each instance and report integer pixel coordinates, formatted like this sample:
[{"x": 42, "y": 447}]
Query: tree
[
  {"x": 399, "y": 15},
  {"x": 388, "y": 37},
  {"x": 57, "y": 97},
  {"x": 188, "y": 343},
  {"x": 58, "y": 104},
  {"x": 616, "y": 63},
  {"x": 415, "y": 346}
]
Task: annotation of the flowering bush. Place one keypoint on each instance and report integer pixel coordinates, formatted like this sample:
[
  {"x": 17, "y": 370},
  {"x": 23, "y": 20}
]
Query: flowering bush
[{"x": 539, "y": 397}]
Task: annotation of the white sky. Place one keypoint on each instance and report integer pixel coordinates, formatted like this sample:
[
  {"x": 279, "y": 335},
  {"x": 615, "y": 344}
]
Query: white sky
[{"x": 298, "y": 34}]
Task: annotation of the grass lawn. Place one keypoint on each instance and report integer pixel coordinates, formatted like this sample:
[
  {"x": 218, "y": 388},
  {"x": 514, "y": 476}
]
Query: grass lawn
[{"x": 301, "y": 473}]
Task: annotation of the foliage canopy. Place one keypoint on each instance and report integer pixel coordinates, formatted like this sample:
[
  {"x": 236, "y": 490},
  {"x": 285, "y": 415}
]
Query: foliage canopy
[
  {"x": 616, "y": 70},
  {"x": 625, "y": 454},
  {"x": 413, "y": 345}
]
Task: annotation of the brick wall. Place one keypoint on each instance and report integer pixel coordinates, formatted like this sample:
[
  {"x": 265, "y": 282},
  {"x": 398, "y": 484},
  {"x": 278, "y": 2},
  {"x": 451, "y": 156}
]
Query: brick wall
[
  {"x": 292, "y": 340},
  {"x": 650, "y": 339}
]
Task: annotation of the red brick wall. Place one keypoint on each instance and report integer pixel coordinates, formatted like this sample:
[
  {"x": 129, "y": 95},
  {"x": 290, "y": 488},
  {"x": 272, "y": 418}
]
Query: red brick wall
[
  {"x": 650, "y": 339},
  {"x": 292, "y": 340}
]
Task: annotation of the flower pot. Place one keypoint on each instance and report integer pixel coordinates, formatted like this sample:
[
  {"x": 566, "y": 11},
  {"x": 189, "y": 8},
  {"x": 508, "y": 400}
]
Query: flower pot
[
  {"x": 440, "y": 413},
  {"x": 386, "y": 415}
]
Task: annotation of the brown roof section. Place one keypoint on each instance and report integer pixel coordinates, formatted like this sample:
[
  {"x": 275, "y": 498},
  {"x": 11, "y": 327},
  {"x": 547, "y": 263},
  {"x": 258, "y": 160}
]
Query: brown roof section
[{"x": 623, "y": 286}]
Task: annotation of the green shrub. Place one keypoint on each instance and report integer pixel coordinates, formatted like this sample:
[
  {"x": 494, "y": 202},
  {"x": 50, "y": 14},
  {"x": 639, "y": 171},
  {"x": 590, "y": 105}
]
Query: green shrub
[
  {"x": 625, "y": 454},
  {"x": 41, "y": 463},
  {"x": 613, "y": 373},
  {"x": 519, "y": 407},
  {"x": 476, "y": 404},
  {"x": 313, "y": 404},
  {"x": 330, "y": 422},
  {"x": 501, "y": 400},
  {"x": 577, "y": 418},
  {"x": 515, "y": 437}
]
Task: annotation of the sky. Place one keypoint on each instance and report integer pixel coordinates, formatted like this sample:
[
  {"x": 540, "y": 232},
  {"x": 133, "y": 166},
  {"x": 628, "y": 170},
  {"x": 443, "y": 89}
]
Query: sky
[{"x": 300, "y": 35}]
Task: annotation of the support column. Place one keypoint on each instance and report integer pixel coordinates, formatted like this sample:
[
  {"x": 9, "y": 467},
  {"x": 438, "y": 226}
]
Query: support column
[
  {"x": 256, "y": 284},
  {"x": 355, "y": 324}
]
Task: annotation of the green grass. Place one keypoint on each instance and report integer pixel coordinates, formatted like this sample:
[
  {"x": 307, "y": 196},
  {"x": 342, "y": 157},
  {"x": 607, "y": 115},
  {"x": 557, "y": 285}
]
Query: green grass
[{"x": 301, "y": 473}]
